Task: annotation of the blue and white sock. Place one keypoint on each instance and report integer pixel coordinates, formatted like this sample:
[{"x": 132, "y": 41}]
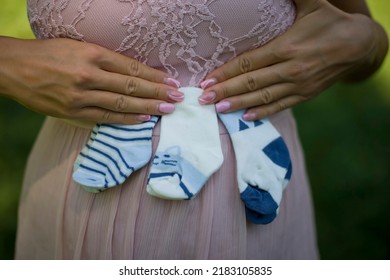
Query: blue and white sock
[
  {"x": 112, "y": 153},
  {"x": 263, "y": 165},
  {"x": 189, "y": 150}
]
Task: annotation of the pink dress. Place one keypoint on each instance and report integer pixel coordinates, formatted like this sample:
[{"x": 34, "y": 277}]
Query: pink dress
[{"x": 188, "y": 39}]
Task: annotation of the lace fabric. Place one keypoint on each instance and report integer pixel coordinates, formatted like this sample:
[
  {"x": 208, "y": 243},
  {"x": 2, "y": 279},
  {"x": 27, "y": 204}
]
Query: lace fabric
[{"x": 186, "y": 38}]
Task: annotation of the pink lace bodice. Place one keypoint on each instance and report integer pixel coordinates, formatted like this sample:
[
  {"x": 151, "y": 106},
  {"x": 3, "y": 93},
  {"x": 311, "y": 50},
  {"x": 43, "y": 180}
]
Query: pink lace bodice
[{"x": 186, "y": 38}]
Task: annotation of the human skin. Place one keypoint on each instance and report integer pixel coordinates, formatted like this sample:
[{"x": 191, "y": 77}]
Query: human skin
[
  {"x": 329, "y": 42},
  {"x": 69, "y": 79}
]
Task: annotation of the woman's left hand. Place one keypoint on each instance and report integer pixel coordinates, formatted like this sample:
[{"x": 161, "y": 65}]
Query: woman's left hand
[{"x": 324, "y": 45}]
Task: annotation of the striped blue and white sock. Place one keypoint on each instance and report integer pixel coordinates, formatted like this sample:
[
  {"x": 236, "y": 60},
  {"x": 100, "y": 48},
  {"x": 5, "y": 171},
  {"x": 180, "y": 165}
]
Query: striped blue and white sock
[
  {"x": 189, "y": 150},
  {"x": 263, "y": 165},
  {"x": 112, "y": 153}
]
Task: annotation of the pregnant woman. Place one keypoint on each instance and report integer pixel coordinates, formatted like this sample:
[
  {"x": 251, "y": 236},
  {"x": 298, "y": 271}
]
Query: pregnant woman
[{"x": 121, "y": 61}]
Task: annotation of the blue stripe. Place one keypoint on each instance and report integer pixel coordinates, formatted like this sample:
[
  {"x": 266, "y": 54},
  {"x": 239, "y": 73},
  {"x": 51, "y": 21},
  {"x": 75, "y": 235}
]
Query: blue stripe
[
  {"x": 113, "y": 177},
  {"x": 154, "y": 119},
  {"x": 104, "y": 154},
  {"x": 104, "y": 165},
  {"x": 110, "y": 158},
  {"x": 93, "y": 170},
  {"x": 168, "y": 163},
  {"x": 126, "y": 139},
  {"x": 114, "y": 148},
  {"x": 92, "y": 159},
  {"x": 127, "y": 129},
  {"x": 100, "y": 172},
  {"x": 166, "y": 174},
  {"x": 186, "y": 191}
]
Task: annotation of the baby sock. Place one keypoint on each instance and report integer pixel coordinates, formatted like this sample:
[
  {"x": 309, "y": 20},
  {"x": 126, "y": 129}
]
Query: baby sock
[
  {"x": 189, "y": 150},
  {"x": 112, "y": 153},
  {"x": 263, "y": 165}
]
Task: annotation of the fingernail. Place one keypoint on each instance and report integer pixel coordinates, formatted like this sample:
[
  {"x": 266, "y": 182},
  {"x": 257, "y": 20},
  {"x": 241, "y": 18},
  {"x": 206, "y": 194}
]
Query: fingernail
[
  {"x": 222, "y": 106},
  {"x": 249, "y": 117},
  {"x": 176, "y": 95},
  {"x": 144, "y": 118},
  {"x": 208, "y": 83},
  {"x": 172, "y": 82},
  {"x": 207, "y": 97},
  {"x": 166, "y": 107}
]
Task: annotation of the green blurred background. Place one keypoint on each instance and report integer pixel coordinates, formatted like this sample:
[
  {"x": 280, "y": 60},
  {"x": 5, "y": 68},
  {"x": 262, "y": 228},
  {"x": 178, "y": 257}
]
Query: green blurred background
[{"x": 345, "y": 133}]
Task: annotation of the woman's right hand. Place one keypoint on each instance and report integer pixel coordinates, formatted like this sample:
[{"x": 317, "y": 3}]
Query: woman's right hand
[{"x": 69, "y": 79}]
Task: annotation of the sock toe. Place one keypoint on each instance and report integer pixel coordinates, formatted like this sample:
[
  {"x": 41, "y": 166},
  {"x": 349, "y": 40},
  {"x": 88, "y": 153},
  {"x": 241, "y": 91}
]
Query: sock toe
[
  {"x": 93, "y": 190},
  {"x": 86, "y": 180},
  {"x": 258, "y": 200},
  {"x": 168, "y": 186},
  {"x": 258, "y": 218}
]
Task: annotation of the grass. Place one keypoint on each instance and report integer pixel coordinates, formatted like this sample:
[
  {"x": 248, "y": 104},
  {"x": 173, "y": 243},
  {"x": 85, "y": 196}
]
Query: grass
[
  {"x": 345, "y": 133},
  {"x": 19, "y": 128}
]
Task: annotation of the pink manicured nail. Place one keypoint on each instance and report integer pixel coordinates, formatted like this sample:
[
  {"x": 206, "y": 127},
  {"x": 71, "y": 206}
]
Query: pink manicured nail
[
  {"x": 222, "y": 106},
  {"x": 207, "y": 97},
  {"x": 144, "y": 118},
  {"x": 172, "y": 82},
  {"x": 249, "y": 117},
  {"x": 176, "y": 95},
  {"x": 208, "y": 83},
  {"x": 166, "y": 107}
]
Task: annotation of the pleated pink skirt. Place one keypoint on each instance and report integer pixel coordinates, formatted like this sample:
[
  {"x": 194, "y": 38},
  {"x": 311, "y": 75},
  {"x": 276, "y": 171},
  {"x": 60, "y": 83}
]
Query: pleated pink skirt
[{"x": 59, "y": 220}]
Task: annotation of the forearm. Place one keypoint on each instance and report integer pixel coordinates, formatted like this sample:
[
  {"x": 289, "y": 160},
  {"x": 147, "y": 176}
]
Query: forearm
[
  {"x": 375, "y": 56},
  {"x": 69, "y": 79},
  {"x": 373, "y": 53},
  {"x": 8, "y": 47}
]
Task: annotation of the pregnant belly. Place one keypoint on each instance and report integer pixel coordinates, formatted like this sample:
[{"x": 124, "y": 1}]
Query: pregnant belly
[{"x": 186, "y": 38}]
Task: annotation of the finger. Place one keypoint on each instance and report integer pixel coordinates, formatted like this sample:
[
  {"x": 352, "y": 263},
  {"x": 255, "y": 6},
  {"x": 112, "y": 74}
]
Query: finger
[
  {"x": 125, "y": 104},
  {"x": 269, "y": 54},
  {"x": 248, "y": 82},
  {"x": 118, "y": 63},
  {"x": 263, "y": 111},
  {"x": 266, "y": 95},
  {"x": 137, "y": 87},
  {"x": 99, "y": 115}
]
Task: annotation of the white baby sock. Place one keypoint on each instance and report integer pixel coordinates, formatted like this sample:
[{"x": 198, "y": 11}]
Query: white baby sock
[
  {"x": 263, "y": 165},
  {"x": 189, "y": 150},
  {"x": 112, "y": 153}
]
